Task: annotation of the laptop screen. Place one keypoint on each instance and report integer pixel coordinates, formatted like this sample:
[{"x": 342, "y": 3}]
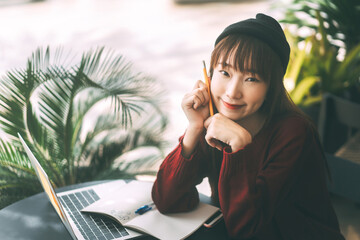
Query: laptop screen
[{"x": 46, "y": 184}]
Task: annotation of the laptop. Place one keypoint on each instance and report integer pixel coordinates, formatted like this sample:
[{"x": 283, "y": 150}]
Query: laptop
[{"x": 68, "y": 205}]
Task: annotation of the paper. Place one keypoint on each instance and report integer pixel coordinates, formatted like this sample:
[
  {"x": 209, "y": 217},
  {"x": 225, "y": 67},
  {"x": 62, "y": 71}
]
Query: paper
[
  {"x": 123, "y": 203},
  {"x": 173, "y": 226},
  {"x": 127, "y": 199}
]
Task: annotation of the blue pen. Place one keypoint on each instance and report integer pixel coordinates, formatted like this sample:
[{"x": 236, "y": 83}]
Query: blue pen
[{"x": 143, "y": 209}]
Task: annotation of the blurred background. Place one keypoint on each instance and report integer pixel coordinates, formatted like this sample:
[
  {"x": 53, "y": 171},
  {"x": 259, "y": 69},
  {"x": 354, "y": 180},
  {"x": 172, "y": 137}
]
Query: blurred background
[{"x": 125, "y": 66}]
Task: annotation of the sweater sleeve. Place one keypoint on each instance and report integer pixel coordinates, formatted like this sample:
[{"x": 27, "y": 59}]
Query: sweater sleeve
[
  {"x": 249, "y": 194},
  {"x": 174, "y": 189}
]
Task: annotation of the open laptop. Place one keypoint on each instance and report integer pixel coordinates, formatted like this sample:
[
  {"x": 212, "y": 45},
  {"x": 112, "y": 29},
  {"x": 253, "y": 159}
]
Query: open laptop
[{"x": 68, "y": 205}]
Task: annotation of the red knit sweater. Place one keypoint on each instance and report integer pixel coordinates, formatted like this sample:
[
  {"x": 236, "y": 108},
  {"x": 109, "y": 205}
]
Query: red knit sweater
[{"x": 274, "y": 188}]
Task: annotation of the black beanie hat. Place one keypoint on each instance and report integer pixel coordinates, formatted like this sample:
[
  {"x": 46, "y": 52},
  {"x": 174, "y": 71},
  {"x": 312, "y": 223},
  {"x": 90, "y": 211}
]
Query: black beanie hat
[{"x": 265, "y": 28}]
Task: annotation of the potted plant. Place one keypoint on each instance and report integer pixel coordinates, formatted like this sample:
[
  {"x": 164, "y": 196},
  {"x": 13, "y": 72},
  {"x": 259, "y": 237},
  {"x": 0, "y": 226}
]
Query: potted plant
[
  {"x": 315, "y": 70},
  {"x": 326, "y": 58},
  {"x": 82, "y": 120}
]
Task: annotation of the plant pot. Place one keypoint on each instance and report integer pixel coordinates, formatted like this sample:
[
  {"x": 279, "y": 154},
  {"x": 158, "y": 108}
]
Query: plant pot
[{"x": 312, "y": 111}]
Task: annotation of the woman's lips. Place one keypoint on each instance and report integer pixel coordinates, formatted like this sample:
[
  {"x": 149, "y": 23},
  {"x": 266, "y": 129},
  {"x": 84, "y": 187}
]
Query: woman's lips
[{"x": 232, "y": 106}]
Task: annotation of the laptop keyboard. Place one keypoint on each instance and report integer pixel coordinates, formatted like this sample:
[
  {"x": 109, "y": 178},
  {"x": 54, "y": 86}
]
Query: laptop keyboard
[{"x": 91, "y": 226}]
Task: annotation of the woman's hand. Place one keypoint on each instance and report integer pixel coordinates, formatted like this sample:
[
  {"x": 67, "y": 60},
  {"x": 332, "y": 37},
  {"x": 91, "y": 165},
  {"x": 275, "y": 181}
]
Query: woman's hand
[
  {"x": 195, "y": 105},
  {"x": 221, "y": 130}
]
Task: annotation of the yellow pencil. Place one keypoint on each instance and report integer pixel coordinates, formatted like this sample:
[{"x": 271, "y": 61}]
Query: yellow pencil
[{"x": 207, "y": 81}]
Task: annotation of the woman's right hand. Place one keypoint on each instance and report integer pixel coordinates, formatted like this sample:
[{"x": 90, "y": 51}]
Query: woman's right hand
[{"x": 195, "y": 105}]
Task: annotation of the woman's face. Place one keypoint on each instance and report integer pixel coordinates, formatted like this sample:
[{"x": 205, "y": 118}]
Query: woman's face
[{"x": 237, "y": 95}]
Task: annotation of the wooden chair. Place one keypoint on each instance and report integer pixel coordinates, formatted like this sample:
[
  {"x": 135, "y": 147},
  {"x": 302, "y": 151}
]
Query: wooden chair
[{"x": 339, "y": 130}]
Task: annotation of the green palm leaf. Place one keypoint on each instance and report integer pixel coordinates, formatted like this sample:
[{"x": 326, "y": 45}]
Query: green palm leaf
[{"x": 78, "y": 118}]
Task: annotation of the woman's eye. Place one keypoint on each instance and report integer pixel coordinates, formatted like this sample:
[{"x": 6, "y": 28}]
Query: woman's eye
[
  {"x": 251, "y": 79},
  {"x": 224, "y": 73}
]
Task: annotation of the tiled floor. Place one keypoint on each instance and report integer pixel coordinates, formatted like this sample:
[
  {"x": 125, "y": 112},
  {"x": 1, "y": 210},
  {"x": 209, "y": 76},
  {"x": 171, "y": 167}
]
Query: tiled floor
[{"x": 163, "y": 39}]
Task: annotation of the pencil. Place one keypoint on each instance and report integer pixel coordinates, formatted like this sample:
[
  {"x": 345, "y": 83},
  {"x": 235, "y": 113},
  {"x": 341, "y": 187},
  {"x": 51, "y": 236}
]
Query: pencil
[
  {"x": 207, "y": 81},
  {"x": 212, "y": 150}
]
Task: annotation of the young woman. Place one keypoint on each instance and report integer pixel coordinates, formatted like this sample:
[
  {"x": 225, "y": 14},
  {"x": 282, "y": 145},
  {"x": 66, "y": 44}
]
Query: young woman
[{"x": 262, "y": 156}]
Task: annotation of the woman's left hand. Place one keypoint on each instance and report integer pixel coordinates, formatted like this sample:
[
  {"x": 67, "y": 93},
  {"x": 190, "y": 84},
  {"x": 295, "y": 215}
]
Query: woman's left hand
[{"x": 222, "y": 130}]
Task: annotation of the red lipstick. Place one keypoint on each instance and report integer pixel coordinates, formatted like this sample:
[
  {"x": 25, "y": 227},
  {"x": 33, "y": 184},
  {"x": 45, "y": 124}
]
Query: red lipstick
[{"x": 231, "y": 106}]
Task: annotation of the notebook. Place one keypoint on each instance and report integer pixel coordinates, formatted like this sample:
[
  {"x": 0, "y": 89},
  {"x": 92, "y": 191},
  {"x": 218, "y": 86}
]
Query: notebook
[
  {"x": 132, "y": 206},
  {"x": 68, "y": 206}
]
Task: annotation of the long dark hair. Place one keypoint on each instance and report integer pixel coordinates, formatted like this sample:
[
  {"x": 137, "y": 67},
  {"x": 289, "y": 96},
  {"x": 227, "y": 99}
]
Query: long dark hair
[{"x": 253, "y": 54}]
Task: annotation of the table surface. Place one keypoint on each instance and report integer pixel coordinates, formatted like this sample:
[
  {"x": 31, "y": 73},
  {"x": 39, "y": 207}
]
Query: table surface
[{"x": 35, "y": 218}]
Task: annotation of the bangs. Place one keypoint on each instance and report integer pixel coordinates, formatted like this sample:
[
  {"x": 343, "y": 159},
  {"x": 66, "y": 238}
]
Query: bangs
[{"x": 248, "y": 54}]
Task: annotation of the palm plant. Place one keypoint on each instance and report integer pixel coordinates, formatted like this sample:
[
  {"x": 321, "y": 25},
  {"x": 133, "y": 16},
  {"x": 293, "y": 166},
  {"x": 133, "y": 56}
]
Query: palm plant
[{"x": 81, "y": 117}]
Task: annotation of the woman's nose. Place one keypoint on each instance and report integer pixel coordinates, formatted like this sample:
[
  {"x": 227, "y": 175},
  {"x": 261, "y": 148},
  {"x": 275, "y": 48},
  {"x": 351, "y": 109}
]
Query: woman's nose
[{"x": 234, "y": 89}]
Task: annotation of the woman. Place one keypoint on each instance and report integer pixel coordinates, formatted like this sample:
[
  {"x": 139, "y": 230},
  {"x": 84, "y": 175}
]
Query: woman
[{"x": 265, "y": 164}]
